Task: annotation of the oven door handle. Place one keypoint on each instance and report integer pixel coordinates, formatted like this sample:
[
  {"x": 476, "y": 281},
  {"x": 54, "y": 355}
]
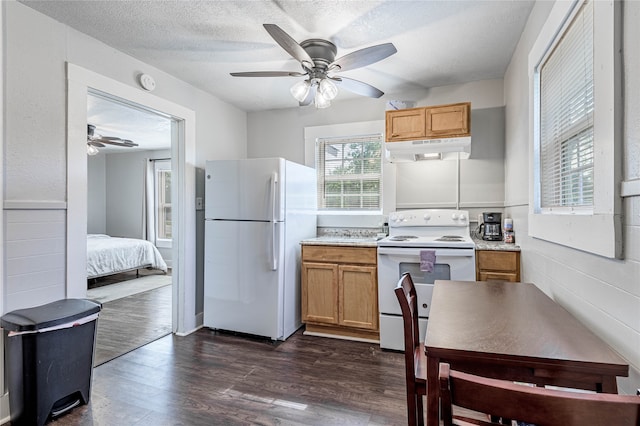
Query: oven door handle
[{"x": 461, "y": 252}]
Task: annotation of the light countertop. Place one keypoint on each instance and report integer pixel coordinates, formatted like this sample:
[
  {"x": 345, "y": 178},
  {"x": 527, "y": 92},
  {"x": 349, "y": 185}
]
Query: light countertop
[
  {"x": 494, "y": 245},
  {"x": 341, "y": 241},
  {"x": 372, "y": 242}
]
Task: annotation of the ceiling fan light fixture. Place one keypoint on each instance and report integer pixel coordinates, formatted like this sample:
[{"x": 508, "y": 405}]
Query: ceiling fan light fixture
[
  {"x": 92, "y": 150},
  {"x": 300, "y": 90},
  {"x": 328, "y": 89},
  {"x": 321, "y": 102}
]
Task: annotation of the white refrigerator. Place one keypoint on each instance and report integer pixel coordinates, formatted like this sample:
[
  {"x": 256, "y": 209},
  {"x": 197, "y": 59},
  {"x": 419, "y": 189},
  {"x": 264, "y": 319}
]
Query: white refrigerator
[{"x": 256, "y": 213}]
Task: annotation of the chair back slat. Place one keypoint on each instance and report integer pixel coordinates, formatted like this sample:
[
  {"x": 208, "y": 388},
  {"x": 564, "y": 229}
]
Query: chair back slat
[
  {"x": 535, "y": 405},
  {"x": 414, "y": 355}
]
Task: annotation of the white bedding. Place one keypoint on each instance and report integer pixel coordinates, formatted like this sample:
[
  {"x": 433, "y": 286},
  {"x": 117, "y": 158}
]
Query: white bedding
[{"x": 109, "y": 255}]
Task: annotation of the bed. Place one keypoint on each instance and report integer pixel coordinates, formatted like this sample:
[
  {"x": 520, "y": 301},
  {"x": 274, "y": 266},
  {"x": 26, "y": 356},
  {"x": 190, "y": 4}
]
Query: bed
[{"x": 111, "y": 255}]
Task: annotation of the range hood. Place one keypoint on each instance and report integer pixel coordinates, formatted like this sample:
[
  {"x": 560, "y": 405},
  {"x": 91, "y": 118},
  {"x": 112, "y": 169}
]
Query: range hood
[{"x": 445, "y": 148}]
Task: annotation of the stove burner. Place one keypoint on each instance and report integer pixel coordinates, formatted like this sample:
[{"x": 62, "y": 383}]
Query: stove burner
[
  {"x": 402, "y": 237},
  {"x": 450, "y": 238}
]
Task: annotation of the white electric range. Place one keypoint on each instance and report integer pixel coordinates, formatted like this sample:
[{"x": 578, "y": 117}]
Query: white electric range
[{"x": 443, "y": 232}]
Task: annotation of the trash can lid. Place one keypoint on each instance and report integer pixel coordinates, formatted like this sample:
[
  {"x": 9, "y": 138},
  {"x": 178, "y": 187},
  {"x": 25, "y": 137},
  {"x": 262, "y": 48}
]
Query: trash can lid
[{"x": 49, "y": 315}]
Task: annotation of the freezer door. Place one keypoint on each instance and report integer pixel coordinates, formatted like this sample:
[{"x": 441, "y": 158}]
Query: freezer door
[
  {"x": 242, "y": 291},
  {"x": 249, "y": 189}
]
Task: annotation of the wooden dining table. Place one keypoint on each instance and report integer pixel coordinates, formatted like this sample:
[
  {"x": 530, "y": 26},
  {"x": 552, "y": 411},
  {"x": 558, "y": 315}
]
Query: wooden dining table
[{"x": 513, "y": 331}]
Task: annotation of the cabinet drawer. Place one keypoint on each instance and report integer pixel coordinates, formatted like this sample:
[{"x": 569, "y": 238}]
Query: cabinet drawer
[
  {"x": 497, "y": 276},
  {"x": 497, "y": 260},
  {"x": 357, "y": 255}
]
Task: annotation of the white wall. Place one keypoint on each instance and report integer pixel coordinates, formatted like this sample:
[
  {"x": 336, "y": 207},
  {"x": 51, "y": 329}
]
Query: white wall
[
  {"x": 125, "y": 192},
  {"x": 36, "y": 49},
  {"x": 603, "y": 293},
  {"x": 96, "y": 194}
]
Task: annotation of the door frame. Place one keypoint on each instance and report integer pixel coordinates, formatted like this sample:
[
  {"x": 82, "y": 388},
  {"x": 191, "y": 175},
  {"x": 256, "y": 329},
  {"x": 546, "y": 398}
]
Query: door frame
[{"x": 79, "y": 82}]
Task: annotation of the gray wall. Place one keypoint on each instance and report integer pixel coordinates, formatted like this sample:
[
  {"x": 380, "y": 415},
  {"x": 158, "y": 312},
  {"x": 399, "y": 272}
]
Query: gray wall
[
  {"x": 421, "y": 184},
  {"x": 603, "y": 293}
]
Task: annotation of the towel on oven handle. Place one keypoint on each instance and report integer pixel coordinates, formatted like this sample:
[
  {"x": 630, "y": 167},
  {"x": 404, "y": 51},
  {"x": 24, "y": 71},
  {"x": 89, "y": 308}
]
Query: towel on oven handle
[{"x": 427, "y": 260}]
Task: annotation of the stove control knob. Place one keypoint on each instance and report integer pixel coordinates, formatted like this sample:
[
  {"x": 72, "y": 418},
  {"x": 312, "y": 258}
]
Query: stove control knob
[
  {"x": 454, "y": 216},
  {"x": 400, "y": 218},
  {"x": 463, "y": 217},
  {"x": 392, "y": 218},
  {"x": 427, "y": 216}
]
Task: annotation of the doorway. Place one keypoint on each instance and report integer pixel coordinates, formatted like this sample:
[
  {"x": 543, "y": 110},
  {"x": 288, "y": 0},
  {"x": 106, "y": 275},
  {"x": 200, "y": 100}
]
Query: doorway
[
  {"x": 80, "y": 83},
  {"x": 129, "y": 226}
]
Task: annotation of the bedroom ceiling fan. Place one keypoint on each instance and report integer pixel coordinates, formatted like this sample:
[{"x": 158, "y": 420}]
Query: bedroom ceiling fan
[
  {"x": 95, "y": 141},
  {"x": 317, "y": 58}
]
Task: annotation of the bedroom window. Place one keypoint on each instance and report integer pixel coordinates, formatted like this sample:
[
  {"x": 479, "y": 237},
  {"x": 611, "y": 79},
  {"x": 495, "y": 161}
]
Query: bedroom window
[
  {"x": 163, "y": 200},
  {"x": 577, "y": 117},
  {"x": 349, "y": 173}
]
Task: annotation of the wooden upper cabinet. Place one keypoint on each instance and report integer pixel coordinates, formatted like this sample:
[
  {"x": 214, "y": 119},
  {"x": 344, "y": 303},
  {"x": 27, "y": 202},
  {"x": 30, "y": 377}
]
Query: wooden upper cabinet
[
  {"x": 447, "y": 120},
  {"x": 432, "y": 122},
  {"x": 405, "y": 124}
]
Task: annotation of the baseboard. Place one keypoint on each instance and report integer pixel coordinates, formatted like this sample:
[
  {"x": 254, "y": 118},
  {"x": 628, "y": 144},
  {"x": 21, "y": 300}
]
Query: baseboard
[
  {"x": 186, "y": 333},
  {"x": 4, "y": 409}
]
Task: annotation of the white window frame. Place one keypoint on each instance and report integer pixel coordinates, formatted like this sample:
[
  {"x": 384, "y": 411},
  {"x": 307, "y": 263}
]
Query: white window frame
[
  {"x": 597, "y": 230},
  {"x": 387, "y": 190},
  {"x": 160, "y": 166}
]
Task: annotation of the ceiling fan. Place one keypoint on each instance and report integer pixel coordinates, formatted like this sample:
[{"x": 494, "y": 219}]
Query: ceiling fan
[
  {"x": 318, "y": 61},
  {"x": 95, "y": 141}
]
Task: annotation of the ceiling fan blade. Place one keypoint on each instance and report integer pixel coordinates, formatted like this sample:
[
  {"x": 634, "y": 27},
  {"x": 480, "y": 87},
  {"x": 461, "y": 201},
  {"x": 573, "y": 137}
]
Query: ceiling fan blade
[
  {"x": 358, "y": 87},
  {"x": 96, "y": 144},
  {"x": 110, "y": 138},
  {"x": 363, "y": 57},
  {"x": 310, "y": 96},
  {"x": 268, "y": 74},
  {"x": 289, "y": 44},
  {"x": 119, "y": 142}
]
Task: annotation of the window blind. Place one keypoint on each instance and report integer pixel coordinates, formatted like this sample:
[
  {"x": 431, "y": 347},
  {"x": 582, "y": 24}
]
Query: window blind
[
  {"x": 349, "y": 172},
  {"x": 566, "y": 117}
]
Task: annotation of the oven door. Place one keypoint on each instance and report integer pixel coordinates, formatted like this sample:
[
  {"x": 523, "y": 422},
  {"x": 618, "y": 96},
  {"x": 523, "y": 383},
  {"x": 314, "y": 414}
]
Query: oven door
[{"x": 451, "y": 264}]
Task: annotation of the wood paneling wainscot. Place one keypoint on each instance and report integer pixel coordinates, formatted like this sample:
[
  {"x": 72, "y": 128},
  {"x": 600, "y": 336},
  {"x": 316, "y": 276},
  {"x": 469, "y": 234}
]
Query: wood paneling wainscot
[{"x": 340, "y": 291}]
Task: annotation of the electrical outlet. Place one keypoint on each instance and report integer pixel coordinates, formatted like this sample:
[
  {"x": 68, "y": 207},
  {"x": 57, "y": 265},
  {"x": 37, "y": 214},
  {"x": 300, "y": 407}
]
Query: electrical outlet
[{"x": 198, "y": 203}]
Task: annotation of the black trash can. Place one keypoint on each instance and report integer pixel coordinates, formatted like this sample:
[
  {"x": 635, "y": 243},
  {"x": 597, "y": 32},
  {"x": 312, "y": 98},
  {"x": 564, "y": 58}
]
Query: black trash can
[{"x": 49, "y": 358}]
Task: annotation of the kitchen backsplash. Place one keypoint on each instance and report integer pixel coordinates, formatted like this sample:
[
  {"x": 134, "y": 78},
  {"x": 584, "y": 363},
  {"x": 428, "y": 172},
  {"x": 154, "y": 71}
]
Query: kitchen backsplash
[{"x": 348, "y": 232}]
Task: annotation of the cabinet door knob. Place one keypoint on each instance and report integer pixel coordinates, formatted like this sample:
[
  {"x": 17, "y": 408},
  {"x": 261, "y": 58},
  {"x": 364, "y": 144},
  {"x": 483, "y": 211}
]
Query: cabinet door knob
[{"x": 424, "y": 305}]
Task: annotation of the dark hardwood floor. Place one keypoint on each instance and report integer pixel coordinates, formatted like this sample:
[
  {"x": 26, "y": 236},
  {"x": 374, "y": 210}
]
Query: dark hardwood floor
[
  {"x": 133, "y": 321},
  {"x": 210, "y": 378}
]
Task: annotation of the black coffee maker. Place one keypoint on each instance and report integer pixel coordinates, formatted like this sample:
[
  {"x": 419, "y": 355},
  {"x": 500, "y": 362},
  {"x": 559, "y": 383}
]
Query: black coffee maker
[{"x": 491, "y": 228}]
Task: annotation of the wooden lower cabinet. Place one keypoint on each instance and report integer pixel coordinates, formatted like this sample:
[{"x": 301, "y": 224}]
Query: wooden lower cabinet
[
  {"x": 340, "y": 291},
  {"x": 498, "y": 265}
]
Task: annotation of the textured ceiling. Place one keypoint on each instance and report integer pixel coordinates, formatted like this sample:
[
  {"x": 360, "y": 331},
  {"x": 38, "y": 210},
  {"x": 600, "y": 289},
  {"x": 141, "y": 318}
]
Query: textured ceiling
[{"x": 201, "y": 42}]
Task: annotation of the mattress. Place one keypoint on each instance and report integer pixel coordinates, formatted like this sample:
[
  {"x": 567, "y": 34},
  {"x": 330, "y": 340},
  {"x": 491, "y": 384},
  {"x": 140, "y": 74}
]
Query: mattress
[{"x": 109, "y": 255}]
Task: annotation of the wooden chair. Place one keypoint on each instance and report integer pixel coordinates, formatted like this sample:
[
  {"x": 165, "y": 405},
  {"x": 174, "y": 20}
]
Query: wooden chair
[
  {"x": 534, "y": 405},
  {"x": 414, "y": 357}
]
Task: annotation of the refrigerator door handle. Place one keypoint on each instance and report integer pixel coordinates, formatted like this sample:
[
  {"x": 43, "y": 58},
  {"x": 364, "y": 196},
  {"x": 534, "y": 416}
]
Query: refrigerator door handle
[{"x": 274, "y": 190}]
